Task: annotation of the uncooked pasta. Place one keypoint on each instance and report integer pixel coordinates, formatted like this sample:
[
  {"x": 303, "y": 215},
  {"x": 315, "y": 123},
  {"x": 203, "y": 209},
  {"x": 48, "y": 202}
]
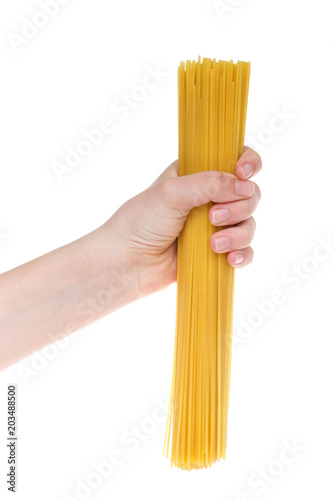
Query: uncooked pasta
[{"x": 212, "y": 105}]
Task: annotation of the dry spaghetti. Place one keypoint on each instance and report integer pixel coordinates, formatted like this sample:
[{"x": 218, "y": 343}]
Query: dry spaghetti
[{"x": 212, "y": 105}]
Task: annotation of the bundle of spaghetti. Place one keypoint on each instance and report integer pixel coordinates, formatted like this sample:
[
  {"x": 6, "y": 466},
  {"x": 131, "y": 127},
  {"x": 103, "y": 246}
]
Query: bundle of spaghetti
[{"x": 212, "y": 105}]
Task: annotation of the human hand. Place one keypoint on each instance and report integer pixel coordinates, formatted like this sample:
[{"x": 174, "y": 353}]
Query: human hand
[
  {"x": 132, "y": 255},
  {"x": 149, "y": 223}
]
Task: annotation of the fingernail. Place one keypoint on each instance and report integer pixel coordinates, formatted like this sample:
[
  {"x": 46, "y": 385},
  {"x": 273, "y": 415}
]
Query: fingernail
[
  {"x": 240, "y": 258},
  {"x": 248, "y": 170},
  {"x": 222, "y": 243},
  {"x": 220, "y": 215},
  {"x": 244, "y": 188}
]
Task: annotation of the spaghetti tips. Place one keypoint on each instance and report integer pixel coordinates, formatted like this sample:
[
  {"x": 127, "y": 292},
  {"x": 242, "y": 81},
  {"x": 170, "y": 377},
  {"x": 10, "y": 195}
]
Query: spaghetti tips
[{"x": 212, "y": 106}]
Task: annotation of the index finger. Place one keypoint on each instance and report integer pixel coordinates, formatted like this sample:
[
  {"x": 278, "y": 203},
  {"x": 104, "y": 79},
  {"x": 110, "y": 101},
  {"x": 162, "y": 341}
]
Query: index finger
[{"x": 249, "y": 164}]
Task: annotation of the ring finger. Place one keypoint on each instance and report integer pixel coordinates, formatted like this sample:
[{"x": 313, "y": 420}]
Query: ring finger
[{"x": 233, "y": 238}]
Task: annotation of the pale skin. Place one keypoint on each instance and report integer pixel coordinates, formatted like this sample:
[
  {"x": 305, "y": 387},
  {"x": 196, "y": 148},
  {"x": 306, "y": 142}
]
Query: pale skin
[{"x": 133, "y": 254}]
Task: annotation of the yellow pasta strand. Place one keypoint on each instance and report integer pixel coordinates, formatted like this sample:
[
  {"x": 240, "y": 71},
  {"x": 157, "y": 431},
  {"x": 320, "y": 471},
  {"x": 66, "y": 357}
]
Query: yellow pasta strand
[{"x": 212, "y": 107}]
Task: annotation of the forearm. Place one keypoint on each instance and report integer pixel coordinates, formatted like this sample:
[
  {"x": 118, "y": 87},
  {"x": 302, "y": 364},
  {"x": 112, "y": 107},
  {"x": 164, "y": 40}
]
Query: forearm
[
  {"x": 132, "y": 255},
  {"x": 62, "y": 291}
]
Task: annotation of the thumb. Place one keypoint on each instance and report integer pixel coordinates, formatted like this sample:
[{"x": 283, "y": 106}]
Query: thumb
[{"x": 189, "y": 191}]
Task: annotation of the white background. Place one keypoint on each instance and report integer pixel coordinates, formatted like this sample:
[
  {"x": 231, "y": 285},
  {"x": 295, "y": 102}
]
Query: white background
[{"x": 74, "y": 408}]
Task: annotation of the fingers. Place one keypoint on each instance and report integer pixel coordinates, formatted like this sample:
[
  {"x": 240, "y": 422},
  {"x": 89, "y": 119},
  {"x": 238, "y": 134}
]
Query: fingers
[
  {"x": 233, "y": 238},
  {"x": 189, "y": 191},
  {"x": 234, "y": 212},
  {"x": 248, "y": 164},
  {"x": 240, "y": 258}
]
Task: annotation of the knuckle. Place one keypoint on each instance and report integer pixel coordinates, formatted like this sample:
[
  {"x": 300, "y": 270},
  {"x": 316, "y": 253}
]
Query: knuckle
[
  {"x": 248, "y": 230},
  {"x": 251, "y": 255},
  {"x": 254, "y": 157},
  {"x": 253, "y": 223},
  {"x": 242, "y": 210},
  {"x": 214, "y": 175},
  {"x": 249, "y": 207},
  {"x": 213, "y": 182},
  {"x": 258, "y": 160}
]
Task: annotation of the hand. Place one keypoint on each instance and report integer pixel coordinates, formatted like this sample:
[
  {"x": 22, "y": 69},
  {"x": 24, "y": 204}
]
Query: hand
[
  {"x": 132, "y": 255},
  {"x": 149, "y": 224}
]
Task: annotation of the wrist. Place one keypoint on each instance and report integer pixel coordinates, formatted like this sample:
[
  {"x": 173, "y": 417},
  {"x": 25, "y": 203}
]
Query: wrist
[
  {"x": 118, "y": 263},
  {"x": 142, "y": 272}
]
